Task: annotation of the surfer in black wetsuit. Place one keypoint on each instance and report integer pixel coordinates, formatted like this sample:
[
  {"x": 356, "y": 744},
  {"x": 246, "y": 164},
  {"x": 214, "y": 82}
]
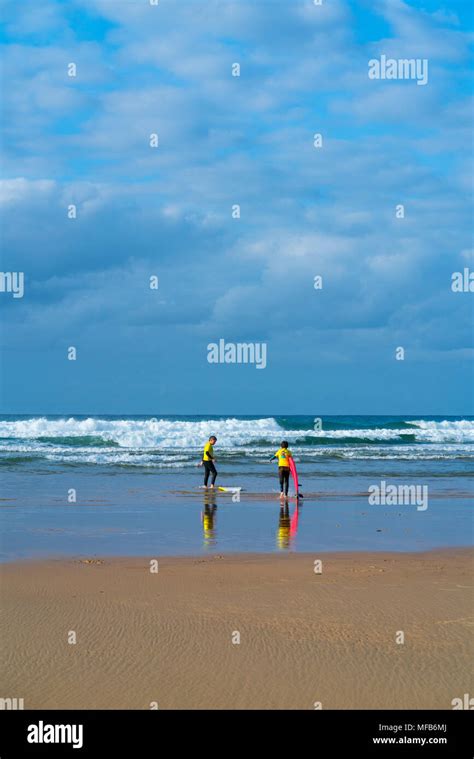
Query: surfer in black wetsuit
[
  {"x": 208, "y": 460},
  {"x": 283, "y": 455}
]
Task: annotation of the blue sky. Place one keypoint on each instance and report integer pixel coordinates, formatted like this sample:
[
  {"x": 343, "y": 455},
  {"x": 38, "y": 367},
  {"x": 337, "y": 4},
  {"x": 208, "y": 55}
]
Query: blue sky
[{"x": 227, "y": 140}]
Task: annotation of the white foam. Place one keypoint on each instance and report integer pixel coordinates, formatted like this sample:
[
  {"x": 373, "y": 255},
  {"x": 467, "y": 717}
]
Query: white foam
[
  {"x": 232, "y": 433},
  {"x": 445, "y": 432},
  {"x": 137, "y": 434}
]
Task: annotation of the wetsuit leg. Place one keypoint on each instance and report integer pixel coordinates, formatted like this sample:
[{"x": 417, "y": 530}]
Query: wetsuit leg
[
  {"x": 209, "y": 468},
  {"x": 287, "y": 479},
  {"x": 284, "y": 476},
  {"x": 214, "y": 473}
]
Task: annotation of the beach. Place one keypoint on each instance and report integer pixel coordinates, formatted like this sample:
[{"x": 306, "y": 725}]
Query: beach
[
  {"x": 366, "y": 630},
  {"x": 236, "y": 617}
]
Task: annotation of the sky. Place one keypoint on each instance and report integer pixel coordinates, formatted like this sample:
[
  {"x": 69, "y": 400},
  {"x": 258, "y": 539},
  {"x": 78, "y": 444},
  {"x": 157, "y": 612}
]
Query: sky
[{"x": 224, "y": 141}]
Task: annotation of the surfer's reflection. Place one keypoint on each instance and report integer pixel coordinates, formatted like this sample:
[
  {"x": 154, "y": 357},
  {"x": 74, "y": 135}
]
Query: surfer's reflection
[
  {"x": 208, "y": 519},
  {"x": 287, "y": 525}
]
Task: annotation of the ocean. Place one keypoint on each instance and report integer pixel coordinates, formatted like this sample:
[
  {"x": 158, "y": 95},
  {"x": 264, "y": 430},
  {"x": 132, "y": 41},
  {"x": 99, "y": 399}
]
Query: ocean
[{"x": 130, "y": 485}]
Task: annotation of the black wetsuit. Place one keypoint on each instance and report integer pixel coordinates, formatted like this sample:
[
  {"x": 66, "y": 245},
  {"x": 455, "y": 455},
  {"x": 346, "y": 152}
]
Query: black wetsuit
[
  {"x": 210, "y": 469},
  {"x": 284, "y": 475}
]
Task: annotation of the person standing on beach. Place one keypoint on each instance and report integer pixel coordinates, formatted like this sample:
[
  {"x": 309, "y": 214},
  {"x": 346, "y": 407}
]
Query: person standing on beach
[
  {"x": 283, "y": 455},
  {"x": 208, "y": 460}
]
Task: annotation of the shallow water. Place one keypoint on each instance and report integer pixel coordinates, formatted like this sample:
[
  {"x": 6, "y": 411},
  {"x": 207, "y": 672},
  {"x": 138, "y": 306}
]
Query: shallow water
[
  {"x": 138, "y": 492},
  {"x": 133, "y": 514}
]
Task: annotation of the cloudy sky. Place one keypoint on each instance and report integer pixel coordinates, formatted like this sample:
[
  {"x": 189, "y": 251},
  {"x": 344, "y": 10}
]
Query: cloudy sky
[{"x": 229, "y": 140}]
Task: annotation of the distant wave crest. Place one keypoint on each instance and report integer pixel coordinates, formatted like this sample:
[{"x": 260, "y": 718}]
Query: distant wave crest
[{"x": 232, "y": 432}]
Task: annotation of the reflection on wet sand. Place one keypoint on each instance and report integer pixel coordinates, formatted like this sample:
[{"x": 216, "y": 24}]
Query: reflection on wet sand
[
  {"x": 287, "y": 522},
  {"x": 287, "y": 525},
  {"x": 208, "y": 519}
]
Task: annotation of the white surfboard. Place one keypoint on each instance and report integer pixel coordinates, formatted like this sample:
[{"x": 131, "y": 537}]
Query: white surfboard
[{"x": 220, "y": 488}]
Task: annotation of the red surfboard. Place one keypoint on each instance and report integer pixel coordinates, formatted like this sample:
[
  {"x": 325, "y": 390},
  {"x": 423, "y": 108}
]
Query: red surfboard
[{"x": 294, "y": 474}]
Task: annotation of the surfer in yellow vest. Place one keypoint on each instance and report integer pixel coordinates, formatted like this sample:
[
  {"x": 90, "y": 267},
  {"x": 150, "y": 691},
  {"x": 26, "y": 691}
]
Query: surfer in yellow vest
[
  {"x": 283, "y": 455},
  {"x": 208, "y": 460}
]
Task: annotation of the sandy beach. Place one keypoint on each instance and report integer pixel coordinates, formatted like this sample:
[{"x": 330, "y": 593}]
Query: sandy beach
[{"x": 171, "y": 637}]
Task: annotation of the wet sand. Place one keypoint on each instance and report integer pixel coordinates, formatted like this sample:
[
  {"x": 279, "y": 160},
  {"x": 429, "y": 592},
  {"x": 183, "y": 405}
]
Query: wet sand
[{"x": 305, "y": 638}]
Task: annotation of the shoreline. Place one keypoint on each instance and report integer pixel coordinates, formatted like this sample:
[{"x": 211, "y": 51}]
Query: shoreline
[
  {"x": 171, "y": 636},
  {"x": 238, "y": 555}
]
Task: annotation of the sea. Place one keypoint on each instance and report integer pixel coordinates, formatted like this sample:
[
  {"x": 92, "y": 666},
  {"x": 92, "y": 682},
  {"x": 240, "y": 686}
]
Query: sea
[{"x": 100, "y": 485}]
